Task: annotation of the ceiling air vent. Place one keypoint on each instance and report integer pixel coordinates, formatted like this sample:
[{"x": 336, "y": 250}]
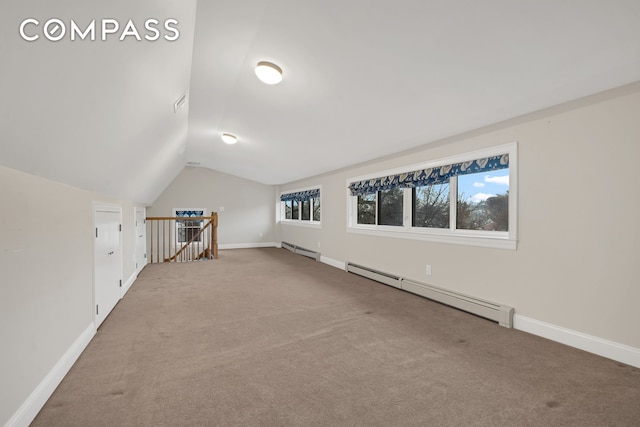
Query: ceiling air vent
[{"x": 179, "y": 103}]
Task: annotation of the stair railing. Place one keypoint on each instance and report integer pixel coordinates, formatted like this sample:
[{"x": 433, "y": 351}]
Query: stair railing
[{"x": 182, "y": 239}]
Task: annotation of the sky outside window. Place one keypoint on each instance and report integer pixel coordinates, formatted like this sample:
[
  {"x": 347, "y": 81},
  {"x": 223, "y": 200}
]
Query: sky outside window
[{"x": 480, "y": 186}]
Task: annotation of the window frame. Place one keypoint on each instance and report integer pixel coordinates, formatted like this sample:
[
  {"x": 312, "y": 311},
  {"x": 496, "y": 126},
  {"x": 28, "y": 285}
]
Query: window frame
[
  {"x": 482, "y": 238},
  {"x": 311, "y": 222}
]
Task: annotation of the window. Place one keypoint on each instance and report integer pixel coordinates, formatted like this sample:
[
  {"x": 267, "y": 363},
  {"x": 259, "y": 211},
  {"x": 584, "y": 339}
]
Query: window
[
  {"x": 367, "y": 208},
  {"x": 306, "y": 210},
  {"x": 295, "y": 209},
  {"x": 430, "y": 206},
  {"x": 301, "y": 207},
  {"x": 487, "y": 209},
  {"x": 390, "y": 207},
  {"x": 316, "y": 209},
  {"x": 468, "y": 199},
  {"x": 188, "y": 230},
  {"x": 288, "y": 209}
]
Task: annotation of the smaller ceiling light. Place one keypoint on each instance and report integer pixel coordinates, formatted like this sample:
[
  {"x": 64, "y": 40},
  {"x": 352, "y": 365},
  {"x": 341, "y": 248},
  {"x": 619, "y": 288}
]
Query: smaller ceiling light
[
  {"x": 269, "y": 72},
  {"x": 229, "y": 138}
]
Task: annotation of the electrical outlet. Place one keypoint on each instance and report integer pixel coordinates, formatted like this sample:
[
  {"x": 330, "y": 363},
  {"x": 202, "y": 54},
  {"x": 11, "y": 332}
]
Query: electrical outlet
[
  {"x": 318, "y": 244},
  {"x": 428, "y": 270},
  {"x": 221, "y": 208},
  {"x": 261, "y": 234}
]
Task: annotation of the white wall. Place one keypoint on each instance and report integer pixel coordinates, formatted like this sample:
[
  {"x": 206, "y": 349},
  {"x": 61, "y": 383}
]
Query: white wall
[
  {"x": 249, "y": 209},
  {"x": 575, "y": 265},
  {"x": 46, "y": 281}
]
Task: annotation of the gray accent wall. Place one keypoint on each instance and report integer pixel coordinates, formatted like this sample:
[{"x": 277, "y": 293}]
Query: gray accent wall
[{"x": 578, "y": 246}]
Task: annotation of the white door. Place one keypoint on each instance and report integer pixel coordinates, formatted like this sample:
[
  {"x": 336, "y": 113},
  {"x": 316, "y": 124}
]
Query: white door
[
  {"x": 107, "y": 263},
  {"x": 141, "y": 239}
]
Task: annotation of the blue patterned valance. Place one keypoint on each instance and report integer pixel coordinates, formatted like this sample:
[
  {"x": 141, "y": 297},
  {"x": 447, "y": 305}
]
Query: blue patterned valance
[
  {"x": 430, "y": 176},
  {"x": 189, "y": 213},
  {"x": 301, "y": 196}
]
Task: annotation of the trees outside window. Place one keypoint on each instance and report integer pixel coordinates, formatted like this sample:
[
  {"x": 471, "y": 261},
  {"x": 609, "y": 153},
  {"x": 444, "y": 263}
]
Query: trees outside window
[
  {"x": 390, "y": 209},
  {"x": 306, "y": 210},
  {"x": 367, "y": 209},
  {"x": 431, "y": 206}
]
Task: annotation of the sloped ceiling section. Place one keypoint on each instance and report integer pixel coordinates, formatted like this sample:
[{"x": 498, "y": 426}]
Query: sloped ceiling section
[
  {"x": 96, "y": 114},
  {"x": 366, "y": 79}
]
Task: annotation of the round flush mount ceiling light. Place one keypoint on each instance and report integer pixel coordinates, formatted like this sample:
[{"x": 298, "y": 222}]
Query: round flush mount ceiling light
[
  {"x": 229, "y": 138},
  {"x": 269, "y": 72}
]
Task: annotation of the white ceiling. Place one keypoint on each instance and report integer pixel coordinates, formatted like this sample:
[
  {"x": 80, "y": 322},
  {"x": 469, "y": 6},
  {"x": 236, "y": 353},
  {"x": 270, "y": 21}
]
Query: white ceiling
[
  {"x": 95, "y": 115},
  {"x": 362, "y": 79}
]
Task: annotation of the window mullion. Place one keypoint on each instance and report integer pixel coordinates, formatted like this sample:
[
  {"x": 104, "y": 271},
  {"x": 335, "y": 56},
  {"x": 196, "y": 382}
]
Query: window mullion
[
  {"x": 377, "y": 209},
  {"x": 453, "y": 202},
  {"x": 352, "y": 210},
  {"x": 407, "y": 206}
]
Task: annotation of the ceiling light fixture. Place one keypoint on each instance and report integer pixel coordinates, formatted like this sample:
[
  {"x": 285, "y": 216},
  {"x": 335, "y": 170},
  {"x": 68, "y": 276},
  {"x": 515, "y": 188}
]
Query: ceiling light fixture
[
  {"x": 229, "y": 138},
  {"x": 269, "y": 72}
]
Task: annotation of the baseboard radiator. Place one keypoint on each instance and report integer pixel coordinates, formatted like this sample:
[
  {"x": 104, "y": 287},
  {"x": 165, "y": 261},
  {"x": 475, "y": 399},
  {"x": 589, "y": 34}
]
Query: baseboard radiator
[
  {"x": 378, "y": 276},
  {"x": 489, "y": 310},
  {"x": 301, "y": 251}
]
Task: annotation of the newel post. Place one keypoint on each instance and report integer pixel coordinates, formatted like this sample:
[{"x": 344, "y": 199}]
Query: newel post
[{"x": 214, "y": 235}]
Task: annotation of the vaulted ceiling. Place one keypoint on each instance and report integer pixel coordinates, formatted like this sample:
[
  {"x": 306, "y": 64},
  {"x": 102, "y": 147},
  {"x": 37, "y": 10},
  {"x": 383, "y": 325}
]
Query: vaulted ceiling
[{"x": 362, "y": 79}]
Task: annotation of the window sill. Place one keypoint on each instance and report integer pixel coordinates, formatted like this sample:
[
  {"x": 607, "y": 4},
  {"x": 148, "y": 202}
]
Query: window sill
[
  {"x": 309, "y": 224},
  {"x": 497, "y": 242}
]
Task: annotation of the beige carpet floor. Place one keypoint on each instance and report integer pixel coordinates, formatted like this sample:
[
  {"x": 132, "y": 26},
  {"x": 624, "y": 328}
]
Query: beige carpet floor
[{"x": 264, "y": 337}]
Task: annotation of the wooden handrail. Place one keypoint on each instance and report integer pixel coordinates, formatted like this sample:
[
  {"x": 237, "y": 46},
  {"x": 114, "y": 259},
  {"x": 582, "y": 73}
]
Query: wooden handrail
[{"x": 182, "y": 218}]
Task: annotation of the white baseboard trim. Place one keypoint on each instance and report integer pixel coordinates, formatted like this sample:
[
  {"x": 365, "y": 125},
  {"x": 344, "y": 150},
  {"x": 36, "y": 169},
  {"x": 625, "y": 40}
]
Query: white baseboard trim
[
  {"x": 332, "y": 262},
  {"x": 601, "y": 347},
  {"x": 128, "y": 283},
  {"x": 249, "y": 245},
  {"x": 36, "y": 400},
  {"x": 139, "y": 270}
]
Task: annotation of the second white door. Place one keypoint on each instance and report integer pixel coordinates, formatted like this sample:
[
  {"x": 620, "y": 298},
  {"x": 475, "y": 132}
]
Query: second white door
[{"x": 107, "y": 263}]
